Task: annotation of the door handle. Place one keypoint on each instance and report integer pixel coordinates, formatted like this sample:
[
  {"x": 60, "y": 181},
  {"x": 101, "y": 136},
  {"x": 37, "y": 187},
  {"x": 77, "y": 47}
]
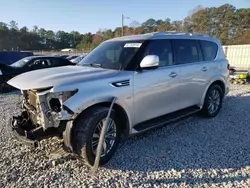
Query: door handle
[
  {"x": 173, "y": 74},
  {"x": 204, "y": 69}
]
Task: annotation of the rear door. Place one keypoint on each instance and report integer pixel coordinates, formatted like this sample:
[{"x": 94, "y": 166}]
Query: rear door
[
  {"x": 210, "y": 65},
  {"x": 189, "y": 59}
]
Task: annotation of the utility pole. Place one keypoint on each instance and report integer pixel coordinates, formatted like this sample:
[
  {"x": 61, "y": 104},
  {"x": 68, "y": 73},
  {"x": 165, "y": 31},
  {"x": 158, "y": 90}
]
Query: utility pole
[{"x": 123, "y": 22}]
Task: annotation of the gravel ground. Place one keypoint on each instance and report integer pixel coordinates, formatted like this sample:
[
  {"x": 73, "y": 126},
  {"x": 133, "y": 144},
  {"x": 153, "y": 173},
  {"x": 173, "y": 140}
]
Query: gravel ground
[{"x": 193, "y": 152}]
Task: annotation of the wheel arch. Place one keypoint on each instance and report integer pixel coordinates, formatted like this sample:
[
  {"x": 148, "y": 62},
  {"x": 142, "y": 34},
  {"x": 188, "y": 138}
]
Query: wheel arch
[
  {"x": 217, "y": 81},
  {"x": 120, "y": 112}
]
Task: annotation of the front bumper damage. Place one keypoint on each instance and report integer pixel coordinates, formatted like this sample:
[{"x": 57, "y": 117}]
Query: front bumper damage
[
  {"x": 22, "y": 129},
  {"x": 43, "y": 115}
]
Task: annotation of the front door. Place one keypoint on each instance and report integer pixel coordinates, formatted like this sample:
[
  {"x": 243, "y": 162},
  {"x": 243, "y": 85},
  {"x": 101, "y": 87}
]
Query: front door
[{"x": 156, "y": 91}]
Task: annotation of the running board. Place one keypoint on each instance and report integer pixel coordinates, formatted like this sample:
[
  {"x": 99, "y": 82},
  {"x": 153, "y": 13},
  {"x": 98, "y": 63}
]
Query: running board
[{"x": 162, "y": 120}]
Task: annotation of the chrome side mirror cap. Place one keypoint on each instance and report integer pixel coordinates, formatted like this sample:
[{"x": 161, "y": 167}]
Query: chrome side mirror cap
[{"x": 150, "y": 61}]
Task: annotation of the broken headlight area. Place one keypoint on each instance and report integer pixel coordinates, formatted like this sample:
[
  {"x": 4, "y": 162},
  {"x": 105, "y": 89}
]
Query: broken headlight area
[
  {"x": 56, "y": 100},
  {"x": 55, "y": 105}
]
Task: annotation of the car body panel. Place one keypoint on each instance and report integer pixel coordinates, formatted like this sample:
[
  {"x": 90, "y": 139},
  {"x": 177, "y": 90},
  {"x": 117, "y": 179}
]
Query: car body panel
[
  {"x": 155, "y": 93},
  {"x": 193, "y": 84}
]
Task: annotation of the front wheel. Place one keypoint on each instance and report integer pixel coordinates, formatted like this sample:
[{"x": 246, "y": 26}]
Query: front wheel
[
  {"x": 213, "y": 101},
  {"x": 86, "y": 133}
]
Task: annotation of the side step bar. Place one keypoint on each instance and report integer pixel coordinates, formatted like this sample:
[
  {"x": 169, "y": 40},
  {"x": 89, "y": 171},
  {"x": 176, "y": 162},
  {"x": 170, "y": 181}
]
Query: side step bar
[{"x": 162, "y": 120}]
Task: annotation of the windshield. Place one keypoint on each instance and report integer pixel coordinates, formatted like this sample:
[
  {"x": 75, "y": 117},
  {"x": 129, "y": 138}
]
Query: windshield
[
  {"x": 112, "y": 55},
  {"x": 21, "y": 62}
]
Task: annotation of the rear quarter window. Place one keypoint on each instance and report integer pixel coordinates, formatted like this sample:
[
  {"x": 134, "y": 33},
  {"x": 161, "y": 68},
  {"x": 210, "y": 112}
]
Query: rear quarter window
[
  {"x": 187, "y": 51},
  {"x": 209, "y": 50}
]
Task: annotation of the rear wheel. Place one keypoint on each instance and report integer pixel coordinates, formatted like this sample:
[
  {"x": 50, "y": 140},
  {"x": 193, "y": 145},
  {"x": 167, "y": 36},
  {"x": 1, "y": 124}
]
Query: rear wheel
[
  {"x": 213, "y": 101},
  {"x": 86, "y": 133}
]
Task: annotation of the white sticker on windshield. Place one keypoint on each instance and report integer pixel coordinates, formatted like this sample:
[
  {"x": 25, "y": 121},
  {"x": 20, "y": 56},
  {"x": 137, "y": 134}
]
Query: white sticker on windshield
[{"x": 132, "y": 45}]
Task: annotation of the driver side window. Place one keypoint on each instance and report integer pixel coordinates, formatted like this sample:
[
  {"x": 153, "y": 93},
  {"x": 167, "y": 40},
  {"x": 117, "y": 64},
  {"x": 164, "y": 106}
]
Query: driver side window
[
  {"x": 163, "y": 49},
  {"x": 39, "y": 63},
  {"x": 35, "y": 63}
]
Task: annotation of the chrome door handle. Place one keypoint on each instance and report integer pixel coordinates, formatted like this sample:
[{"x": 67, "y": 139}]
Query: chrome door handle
[
  {"x": 204, "y": 69},
  {"x": 173, "y": 74}
]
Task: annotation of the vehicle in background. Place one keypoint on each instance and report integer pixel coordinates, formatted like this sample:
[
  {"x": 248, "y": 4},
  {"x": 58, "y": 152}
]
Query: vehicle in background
[
  {"x": 78, "y": 59},
  {"x": 131, "y": 84},
  {"x": 28, "y": 64},
  {"x": 67, "y": 50},
  {"x": 71, "y": 57},
  {"x": 9, "y": 57},
  {"x": 64, "y": 56}
]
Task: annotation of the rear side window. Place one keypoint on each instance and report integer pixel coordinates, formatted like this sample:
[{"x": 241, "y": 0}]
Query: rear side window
[
  {"x": 58, "y": 62},
  {"x": 209, "y": 50},
  {"x": 187, "y": 51}
]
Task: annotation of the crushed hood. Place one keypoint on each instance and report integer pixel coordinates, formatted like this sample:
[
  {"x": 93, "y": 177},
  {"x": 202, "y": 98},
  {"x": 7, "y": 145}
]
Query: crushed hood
[{"x": 59, "y": 76}]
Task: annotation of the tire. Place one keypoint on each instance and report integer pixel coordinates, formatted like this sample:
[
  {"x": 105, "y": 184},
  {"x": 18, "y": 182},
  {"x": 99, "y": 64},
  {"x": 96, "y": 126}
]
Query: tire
[
  {"x": 206, "y": 110},
  {"x": 83, "y": 130}
]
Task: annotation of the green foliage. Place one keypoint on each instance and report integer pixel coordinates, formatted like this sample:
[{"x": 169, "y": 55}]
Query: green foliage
[{"x": 228, "y": 24}]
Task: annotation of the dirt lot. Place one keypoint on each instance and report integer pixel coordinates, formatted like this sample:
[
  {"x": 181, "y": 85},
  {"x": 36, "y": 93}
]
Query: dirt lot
[{"x": 191, "y": 152}]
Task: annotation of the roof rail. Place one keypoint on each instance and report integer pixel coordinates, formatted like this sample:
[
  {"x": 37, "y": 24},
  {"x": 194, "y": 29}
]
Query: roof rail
[{"x": 180, "y": 33}]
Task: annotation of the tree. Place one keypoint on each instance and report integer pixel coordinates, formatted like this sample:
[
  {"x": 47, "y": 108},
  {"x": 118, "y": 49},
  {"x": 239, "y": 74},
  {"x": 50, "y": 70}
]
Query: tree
[
  {"x": 13, "y": 25},
  {"x": 24, "y": 29},
  {"x": 228, "y": 24},
  {"x": 108, "y": 34},
  {"x": 177, "y": 25},
  {"x": 135, "y": 24},
  {"x": 118, "y": 32},
  {"x": 149, "y": 25},
  {"x": 243, "y": 39},
  {"x": 35, "y": 29},
  {"x": 2, "y": 24},
  {"x": 97, "y": 38}
]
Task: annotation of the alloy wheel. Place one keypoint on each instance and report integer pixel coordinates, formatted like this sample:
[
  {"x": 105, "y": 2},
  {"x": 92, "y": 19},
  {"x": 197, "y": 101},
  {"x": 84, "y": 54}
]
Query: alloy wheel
[{"x": 109, "y": 137}]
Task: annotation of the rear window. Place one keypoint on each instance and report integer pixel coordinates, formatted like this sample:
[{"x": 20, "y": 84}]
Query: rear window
[{"x": 209, "y": 50}]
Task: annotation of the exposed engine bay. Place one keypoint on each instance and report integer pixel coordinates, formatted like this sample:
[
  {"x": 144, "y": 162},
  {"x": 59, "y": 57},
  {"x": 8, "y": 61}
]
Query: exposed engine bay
[{"x": 45, "y": 110}]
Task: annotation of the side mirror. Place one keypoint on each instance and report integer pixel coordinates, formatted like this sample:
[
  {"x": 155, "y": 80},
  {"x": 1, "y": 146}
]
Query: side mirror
[{"x": 150, "y": 61}]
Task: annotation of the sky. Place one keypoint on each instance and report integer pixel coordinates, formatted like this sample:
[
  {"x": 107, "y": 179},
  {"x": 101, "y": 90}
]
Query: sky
[{"x": 91, "y": 15}]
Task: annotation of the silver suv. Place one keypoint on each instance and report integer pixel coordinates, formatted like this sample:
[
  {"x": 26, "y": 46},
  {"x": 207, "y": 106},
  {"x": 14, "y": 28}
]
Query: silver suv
[{"x": 156, "y": 78}]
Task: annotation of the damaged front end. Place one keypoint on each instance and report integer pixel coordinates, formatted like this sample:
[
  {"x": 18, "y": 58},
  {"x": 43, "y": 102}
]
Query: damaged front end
[{"x": 43, "y": 115}]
